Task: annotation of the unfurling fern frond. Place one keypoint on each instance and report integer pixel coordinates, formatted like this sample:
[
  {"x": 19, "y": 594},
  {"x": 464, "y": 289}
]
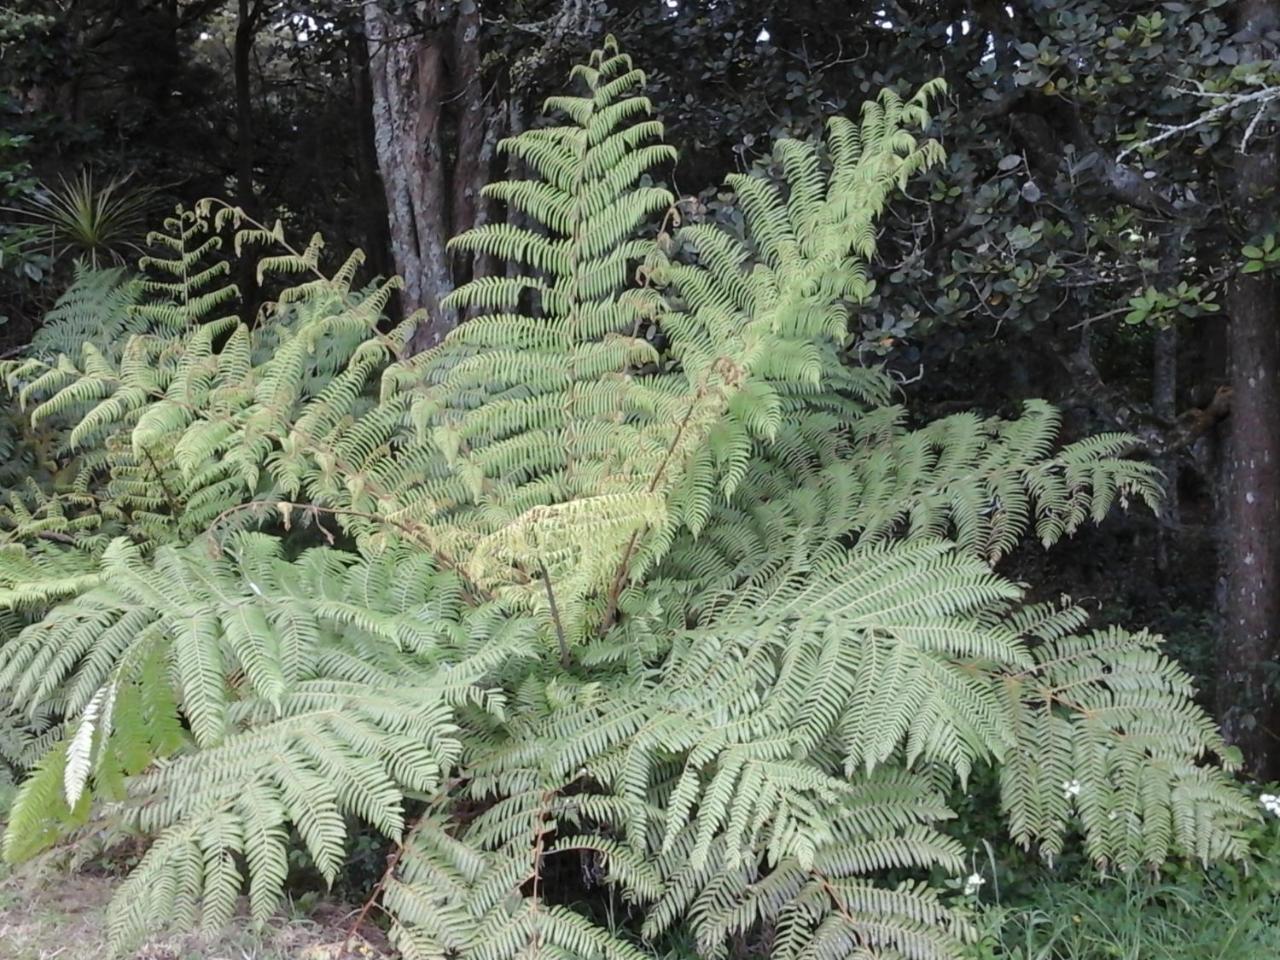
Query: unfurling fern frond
[
  {"x": 708, "y": 618},
  {"x": 186, "y": 282}
]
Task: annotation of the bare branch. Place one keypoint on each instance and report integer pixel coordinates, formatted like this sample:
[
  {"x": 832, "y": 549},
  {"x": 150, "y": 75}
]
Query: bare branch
[{"x": 1261, "y": 97}]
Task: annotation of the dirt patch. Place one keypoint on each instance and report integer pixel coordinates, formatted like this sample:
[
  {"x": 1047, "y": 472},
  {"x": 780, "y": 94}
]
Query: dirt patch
[
  {"x": 63, "y": 917},
  {"x": 57, "y": 918}
]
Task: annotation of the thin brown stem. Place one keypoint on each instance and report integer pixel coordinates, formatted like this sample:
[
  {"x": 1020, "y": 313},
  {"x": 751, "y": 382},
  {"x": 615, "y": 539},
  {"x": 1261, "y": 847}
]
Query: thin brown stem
[
  {"x": 619, "y": 580},
  {"x": 565, "y": 659},
  {"x": 174, "y": 505},
  {"x": 414, "y": 532},
  {"x": 842, "y": 908},
  {"x": 393, "y": 861}
]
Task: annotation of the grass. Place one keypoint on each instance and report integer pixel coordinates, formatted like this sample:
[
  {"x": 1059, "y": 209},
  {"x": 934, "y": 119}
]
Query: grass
[{"x": 1193, "y": 919}]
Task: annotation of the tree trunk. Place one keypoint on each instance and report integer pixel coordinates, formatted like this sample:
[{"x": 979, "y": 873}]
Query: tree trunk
[
  {"x": 468, "y": 102},
  {"x": 1164, "y": 398},
  {"x": 1164, "y": 406},
  {"x": 423, "y": 77},
  {"x": 1251, "y": 551},
  {"x": 515, "y": 168},
  {"x": 248, "y": 15},
  {"x": 373, "y": 201}
]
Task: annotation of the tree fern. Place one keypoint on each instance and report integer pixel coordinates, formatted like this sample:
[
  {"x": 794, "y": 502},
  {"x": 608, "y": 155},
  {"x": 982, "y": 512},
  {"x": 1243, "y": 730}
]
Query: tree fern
[
  {"x": 97, "y": 307},
  {"x": 710, "y": 620},
  {"x": 186, "y": 280}
]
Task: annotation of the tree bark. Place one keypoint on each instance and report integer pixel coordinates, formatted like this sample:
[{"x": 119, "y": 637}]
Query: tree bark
[
  {"x": 373, "y": 202},
  {"x": 468, "y": 103},
  {"x": 1164, "y": 406},
  {"x": 249, "y": 15},
  {"x": 515, "y": 168},
  {"x": 1251, "y": 551},
  {"x": 1164, "y": 396},
  {"x": 425, "y": 76}
]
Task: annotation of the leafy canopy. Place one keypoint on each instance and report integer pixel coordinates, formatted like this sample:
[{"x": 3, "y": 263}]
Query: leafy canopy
[{"x": 707, "y": 616}]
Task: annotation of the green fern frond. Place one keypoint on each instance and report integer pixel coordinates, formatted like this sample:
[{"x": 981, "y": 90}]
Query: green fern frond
[{"x": 698, "y": 611}]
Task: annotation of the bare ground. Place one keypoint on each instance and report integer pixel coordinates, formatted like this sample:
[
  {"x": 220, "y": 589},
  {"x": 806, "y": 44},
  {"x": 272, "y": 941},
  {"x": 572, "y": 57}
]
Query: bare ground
[{"x": 62, "y": 916}]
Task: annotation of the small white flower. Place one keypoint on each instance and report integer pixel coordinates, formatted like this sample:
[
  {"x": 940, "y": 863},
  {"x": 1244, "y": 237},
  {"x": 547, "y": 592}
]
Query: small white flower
[
  {"x": 1070, "y": 788},
  {"x": 973, "y": 883},
  {"x": 1271, "y": 803}
]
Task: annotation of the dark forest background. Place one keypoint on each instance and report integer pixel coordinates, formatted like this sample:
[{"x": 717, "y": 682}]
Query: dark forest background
[{"x": 1102, "y": 235}]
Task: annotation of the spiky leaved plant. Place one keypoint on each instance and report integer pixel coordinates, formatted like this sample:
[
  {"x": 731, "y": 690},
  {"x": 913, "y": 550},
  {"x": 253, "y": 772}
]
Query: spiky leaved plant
[{"x": 100, "y": 222}]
